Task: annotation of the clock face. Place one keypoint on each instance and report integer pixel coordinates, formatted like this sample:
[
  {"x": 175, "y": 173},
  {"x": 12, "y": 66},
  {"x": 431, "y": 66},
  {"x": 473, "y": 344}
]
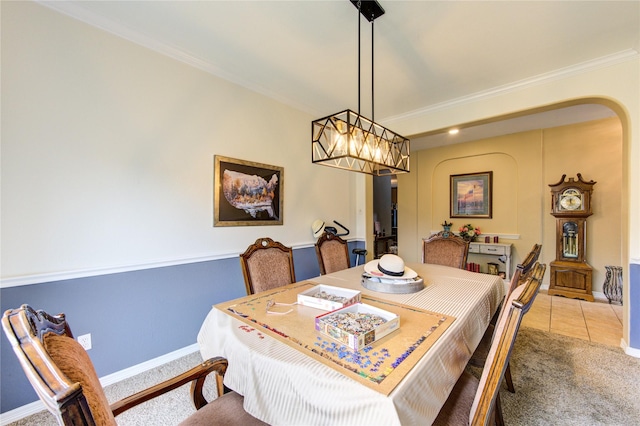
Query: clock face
[{"x": 570, "y": 199}]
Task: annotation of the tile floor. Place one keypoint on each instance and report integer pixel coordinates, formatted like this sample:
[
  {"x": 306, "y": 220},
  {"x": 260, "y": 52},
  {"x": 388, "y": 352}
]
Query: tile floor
[{"x": 598, "y": 322}]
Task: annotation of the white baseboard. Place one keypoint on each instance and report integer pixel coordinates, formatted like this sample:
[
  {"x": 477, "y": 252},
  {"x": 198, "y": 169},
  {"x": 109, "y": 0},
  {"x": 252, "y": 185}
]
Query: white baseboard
[
  {"x": 629, "y": 350},
  {"x": 37, "y": 406},
  {"x": 118, "y": 376},
  {"x": 21, "y": 412}
]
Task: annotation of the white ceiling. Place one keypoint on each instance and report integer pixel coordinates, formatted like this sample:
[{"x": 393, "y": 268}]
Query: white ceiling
[
  {"x": 500, "y": 127},
  {"x": 427, "y": 53}
]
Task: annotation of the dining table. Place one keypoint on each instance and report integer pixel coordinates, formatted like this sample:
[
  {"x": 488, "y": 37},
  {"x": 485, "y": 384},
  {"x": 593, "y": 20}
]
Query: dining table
[{"x": 292, "y": 374}]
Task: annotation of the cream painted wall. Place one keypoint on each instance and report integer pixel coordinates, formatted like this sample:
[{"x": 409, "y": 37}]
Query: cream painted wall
[
  {"x": 505, "y": 192},
  {"x": 596, "y": 151},
  {"x": 523, "y": 166},
  {"x": 515, "y": 163},
  {"x": 108, "y": 147},
  {"x": 614, "y": 82}
]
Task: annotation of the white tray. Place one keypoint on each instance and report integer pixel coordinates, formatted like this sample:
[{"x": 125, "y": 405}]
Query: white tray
[{"x": 392, "y": 286}]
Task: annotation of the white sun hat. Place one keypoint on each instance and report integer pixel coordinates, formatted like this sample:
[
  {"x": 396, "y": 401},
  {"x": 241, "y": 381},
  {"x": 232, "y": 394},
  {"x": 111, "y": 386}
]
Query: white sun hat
[
  {"x": 389, "y": 266},
  {"x": 317, "y": 227}
]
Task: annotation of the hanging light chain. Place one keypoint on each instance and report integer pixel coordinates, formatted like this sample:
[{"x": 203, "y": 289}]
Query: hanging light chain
[
  {"x": 359, "y": 9},
  {"x": 373, "y": 116},
  {"x": 347, "y": 140}
]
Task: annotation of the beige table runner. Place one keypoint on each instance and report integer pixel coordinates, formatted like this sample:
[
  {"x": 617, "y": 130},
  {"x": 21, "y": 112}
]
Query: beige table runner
[{"x": 380, "y": 366}]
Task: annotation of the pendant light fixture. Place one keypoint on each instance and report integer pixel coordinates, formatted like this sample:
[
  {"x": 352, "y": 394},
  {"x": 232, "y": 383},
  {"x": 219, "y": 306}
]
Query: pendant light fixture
[{"x": 348, "y": 140}]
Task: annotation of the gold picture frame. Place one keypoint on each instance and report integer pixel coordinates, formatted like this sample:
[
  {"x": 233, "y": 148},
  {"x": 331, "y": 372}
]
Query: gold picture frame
[{"x": 246, "y": 193}]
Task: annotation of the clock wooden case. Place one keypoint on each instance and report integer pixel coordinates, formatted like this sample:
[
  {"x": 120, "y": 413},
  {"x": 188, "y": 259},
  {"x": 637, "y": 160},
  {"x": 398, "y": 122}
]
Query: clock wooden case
[{"x": 571, "y": 276}]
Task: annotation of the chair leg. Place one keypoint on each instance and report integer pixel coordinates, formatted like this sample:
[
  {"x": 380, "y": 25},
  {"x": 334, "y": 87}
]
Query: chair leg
[
  {"x": 507, "y": 378},
  {"x": 497, "y": 411}
]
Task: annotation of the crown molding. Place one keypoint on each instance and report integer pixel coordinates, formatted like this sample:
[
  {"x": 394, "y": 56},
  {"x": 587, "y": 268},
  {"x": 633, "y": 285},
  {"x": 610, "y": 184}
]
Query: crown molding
[
  {"x": 563, "y": 73},
  {"x": 76, "y": 11}
]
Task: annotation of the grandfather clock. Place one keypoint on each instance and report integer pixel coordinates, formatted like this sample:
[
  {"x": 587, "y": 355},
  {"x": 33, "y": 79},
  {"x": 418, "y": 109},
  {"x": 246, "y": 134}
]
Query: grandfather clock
[{"x": 571, "y": 205}]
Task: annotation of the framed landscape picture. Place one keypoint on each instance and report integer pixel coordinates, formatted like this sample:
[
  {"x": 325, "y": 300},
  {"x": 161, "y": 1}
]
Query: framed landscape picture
[
  {"x": 471, "y": 195},
  {"x": 246, "y": 193}
]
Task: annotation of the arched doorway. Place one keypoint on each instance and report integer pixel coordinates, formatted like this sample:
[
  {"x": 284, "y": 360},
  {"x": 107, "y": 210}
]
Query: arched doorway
[{"x": 612, "y": 111}]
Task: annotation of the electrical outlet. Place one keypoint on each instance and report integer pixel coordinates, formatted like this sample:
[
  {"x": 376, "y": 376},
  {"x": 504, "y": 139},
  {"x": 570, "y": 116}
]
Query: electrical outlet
[{"x": 85, "y": 341}]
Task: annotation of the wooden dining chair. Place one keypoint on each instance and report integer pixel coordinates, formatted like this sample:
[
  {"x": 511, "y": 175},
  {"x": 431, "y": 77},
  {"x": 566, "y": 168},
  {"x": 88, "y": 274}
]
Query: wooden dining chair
[
  {"x": 519, "y": 276},
  {"x": 332, "y": 252},
  {"x": 267, "y": 264},
  {"x": 445, "y": 249},
  {"x": 526, "y": 265},
  {"x": 522, "y": 273},
  {"x": 477, "y": 401},
  {"x": 61, "y": 372}
]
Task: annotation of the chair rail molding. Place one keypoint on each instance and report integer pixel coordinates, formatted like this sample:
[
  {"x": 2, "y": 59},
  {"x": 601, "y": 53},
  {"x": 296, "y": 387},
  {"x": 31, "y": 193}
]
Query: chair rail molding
[{"x": 93, "y": 272}]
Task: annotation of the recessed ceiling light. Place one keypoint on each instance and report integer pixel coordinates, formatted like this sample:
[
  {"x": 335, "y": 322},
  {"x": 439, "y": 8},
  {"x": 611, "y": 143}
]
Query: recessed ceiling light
[{"x": 454, "y": 131}]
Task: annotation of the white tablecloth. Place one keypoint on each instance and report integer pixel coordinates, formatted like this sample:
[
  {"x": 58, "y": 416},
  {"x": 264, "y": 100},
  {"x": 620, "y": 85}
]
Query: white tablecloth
[{"x": 283, "y": 386}]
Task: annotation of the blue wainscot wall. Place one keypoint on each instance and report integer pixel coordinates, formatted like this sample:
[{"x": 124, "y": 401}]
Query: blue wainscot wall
[
  {"x": 634, "y": 315},
  {"x": 133, "y": 316}
]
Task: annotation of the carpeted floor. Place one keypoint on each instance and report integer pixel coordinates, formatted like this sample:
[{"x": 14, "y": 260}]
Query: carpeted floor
[
  {"x": 559, "y": 381},
  {"x": 566, "y": 381},
  {"x": 168, "y": 409}
]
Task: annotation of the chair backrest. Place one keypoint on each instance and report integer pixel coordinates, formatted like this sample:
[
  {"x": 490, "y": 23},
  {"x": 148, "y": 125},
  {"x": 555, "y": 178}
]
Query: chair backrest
[
  {"x": 524, "y": 269},
  {"x": 58, "y": 368},
  {"x": 451, "y": 250},
  {"x": 333, "y": 253},
  {"x": 518, "y": 304},
  {"x": 531, "y": 258},
  {"x": 267, "y": 264}
]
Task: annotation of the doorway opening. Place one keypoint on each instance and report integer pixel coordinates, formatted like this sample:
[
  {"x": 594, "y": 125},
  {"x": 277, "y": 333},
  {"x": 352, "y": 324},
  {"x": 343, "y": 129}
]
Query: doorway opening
[{"x": 385, "y": 215}]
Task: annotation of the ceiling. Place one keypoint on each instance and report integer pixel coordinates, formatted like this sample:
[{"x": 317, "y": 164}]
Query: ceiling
[
  {"x": 428, "y": 54},
  {"x": 505, "y": 126}
]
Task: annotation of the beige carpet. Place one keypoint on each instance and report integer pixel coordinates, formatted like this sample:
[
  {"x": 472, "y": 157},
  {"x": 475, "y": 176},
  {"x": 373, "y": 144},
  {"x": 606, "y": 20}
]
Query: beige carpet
[
  {"x": 559, "y": 381},
  {"x": 567, "y": 381},
  {"x": 168, "y": 409}
]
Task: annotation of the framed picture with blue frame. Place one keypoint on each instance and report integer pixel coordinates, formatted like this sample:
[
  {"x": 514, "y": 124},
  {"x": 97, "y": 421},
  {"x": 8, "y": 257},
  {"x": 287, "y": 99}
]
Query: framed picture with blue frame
[{"x": 471, "y": 195}]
